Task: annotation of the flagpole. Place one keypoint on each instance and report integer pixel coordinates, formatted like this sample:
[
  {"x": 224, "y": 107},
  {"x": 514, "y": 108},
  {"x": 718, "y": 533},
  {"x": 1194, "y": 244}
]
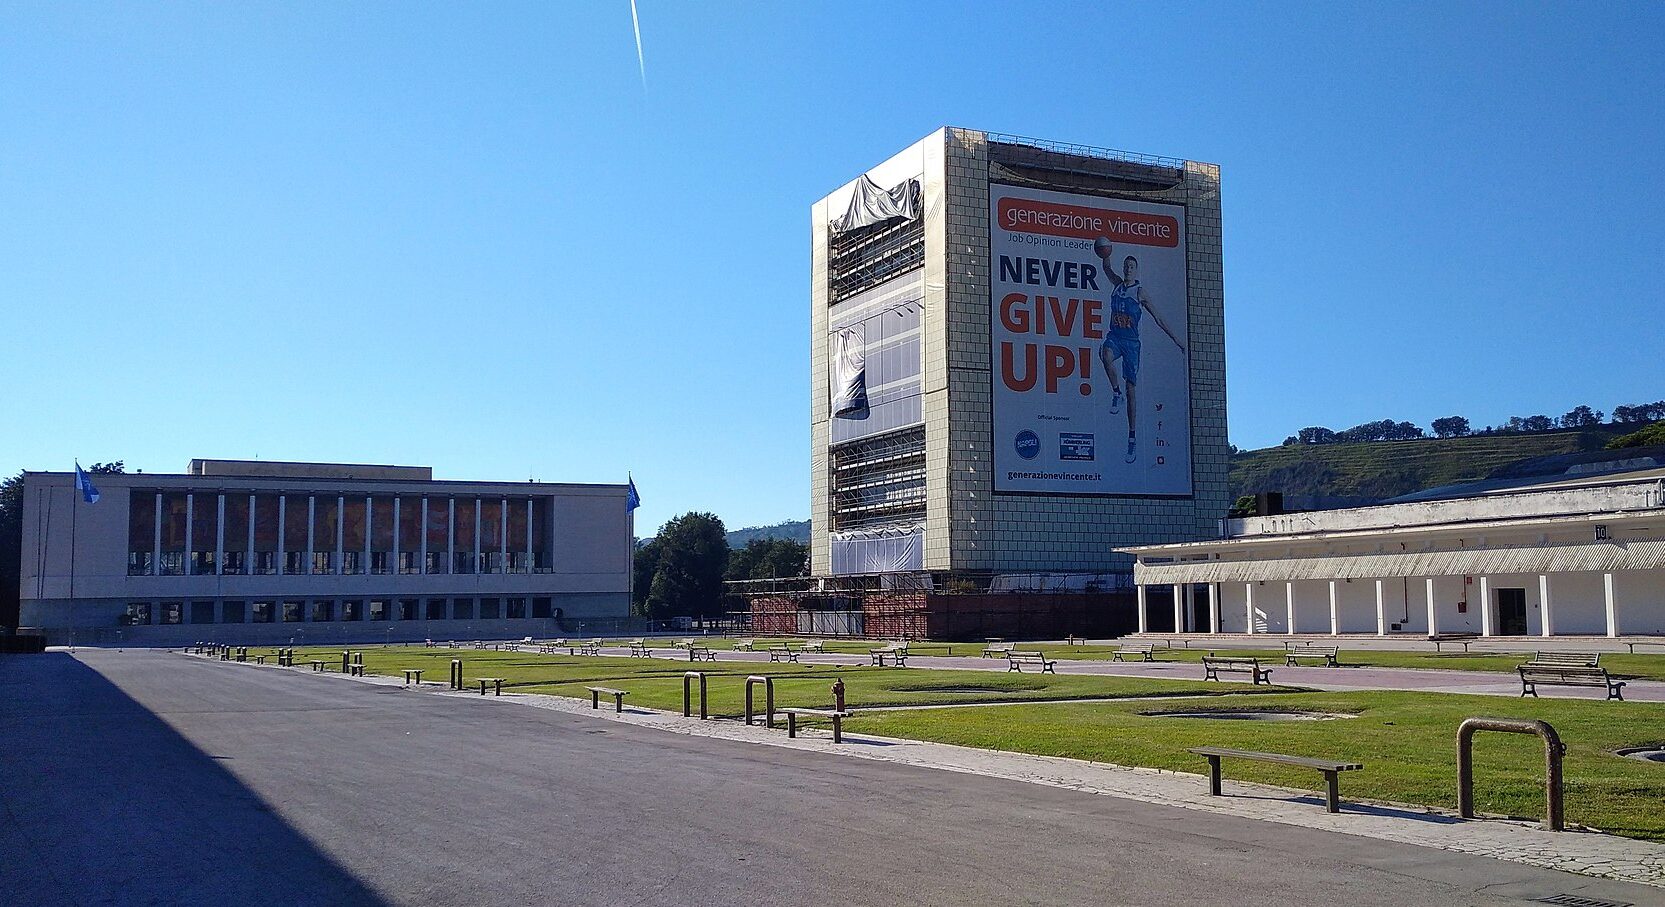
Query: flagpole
[{"x": 73, "y": 510}]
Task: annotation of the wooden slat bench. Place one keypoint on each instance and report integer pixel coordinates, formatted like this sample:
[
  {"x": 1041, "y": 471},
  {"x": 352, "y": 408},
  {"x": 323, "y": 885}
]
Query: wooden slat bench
[
  {"x": 837, "y": 721},
  {"x": 744, "y": 645},
  {"x": 413, "y": 673},
  {"x": 639, "y": 649},
  {"x": 782, "y": 653},
  {"x": 1462, "y": 639},
  {"x": 1295, "y": 650},
  {"x": 1016, "y": 660},
  {"x": 701, "y": 653},
  {"x": 1330, "y": 768},
  {"x": 1571, "y": 676},
  {"x": 998, "y": 649},
  {"x": 1566, "y": 659},
  {"x": 496, "y": 681},
  {"x": 618, "y": 697},
  {"x": 553, "y": 647},
  {"x": 815, "y": 646},
  {"x": 591, "y": 647},
  {"x": 1214, "y": 664},
  {"x": 1145, "y": 653},
  {"x": 897, "y": 654}
]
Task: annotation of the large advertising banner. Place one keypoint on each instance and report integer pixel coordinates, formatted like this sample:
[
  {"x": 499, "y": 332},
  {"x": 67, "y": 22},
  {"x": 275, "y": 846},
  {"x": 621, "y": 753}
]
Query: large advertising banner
[{"x": 1090, "y": 337}]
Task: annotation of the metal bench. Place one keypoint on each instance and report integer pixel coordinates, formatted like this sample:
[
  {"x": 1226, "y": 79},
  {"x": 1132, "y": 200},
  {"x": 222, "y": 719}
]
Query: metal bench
[
  {"x": 1462, "y": 639},
  {"x": 701, "y": 653},
  {"x": 1295, "y": 650},
  {"x": 1570, "y": 676},
  {"x": 897, "y": 653},
  {"x": 1214, "y": 664},
  {"x": 837, "y": 721},
  {"x": 553, "y": 647},
  {"x": 413, "y": 673},
  {"x": 639, "y": 649},
  {"x": 1330, "y": 768},
  {"x": 1145, "y": 653},
  {"x": 497, "y": 681},
  {"x": 317, "y": 666},
  {"x": 779, "y": 653},
  {"x": 592, "y": 647},
  {"x": 998, "y": 649},
  {"x": 744, "y": 645},
  {"x": 618, "y": 697},
  {"x": 1016, "y": 660},
  {"x": 813, "y": 645}
]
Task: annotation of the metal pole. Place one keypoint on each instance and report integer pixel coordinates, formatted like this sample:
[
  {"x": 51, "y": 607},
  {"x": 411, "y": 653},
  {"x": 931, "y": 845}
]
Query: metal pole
[{"x": 1554, "y": 750}]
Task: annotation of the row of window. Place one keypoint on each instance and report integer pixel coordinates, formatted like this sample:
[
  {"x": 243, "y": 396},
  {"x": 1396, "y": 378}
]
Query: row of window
[
  {"x": 331, "y": 563},
  {"x": 321, "y": 610}
]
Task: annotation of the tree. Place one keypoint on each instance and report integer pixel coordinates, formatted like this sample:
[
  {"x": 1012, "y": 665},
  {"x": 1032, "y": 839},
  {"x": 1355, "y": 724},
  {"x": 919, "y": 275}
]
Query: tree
[
  {"x": 1639, "y": 412},
  {"x": 1647, "y": 437},
  {"x": 643, "y": 566},
  {"x": 1315, "y": 434},
  {"x": 768, "y": 559},
  {"x": 688, "y": 580},
  {"x": 11, "y": 548},
  {"x": 1538, "y": 423},
  {"x": 1581, "y": 417},
  {"x": 1450, "y": 427}
]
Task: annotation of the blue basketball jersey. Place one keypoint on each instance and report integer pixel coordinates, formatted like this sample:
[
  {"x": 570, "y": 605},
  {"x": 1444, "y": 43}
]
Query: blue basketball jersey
[{"x": 1125, "y": 310}]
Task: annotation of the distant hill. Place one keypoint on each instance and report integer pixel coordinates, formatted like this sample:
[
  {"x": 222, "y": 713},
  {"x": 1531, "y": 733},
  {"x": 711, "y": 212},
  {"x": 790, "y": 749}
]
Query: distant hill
[
  {"x": 1320, "y": 475},
  {"x": 796, "y": 530}
]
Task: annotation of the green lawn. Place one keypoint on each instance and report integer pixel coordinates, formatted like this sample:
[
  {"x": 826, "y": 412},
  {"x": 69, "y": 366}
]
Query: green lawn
[{"x": 1407, "y": 742}]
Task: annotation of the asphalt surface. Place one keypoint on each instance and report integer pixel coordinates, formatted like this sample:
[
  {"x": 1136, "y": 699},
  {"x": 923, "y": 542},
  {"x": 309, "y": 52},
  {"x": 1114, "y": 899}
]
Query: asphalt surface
[{"x": 149, "y": 778}]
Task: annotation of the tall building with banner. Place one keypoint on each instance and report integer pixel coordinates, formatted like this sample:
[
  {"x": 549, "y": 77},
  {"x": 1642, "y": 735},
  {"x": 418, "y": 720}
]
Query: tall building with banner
[{"x": 1018, "y": 364}]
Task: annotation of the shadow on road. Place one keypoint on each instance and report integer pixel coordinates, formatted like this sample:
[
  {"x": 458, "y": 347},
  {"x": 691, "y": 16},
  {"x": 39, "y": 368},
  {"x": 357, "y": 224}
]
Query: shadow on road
[{"x": 101, "y": 801}]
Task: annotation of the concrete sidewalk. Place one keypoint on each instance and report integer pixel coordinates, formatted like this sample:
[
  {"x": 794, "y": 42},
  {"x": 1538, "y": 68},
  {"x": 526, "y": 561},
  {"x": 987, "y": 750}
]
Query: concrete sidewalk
[{"x": 1422, "y": 680}]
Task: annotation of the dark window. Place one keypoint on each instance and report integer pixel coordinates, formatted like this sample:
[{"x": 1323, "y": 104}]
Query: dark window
[
  {"x": 294, "y": 533},
  {"x": 542, "y": 560},
  {"x": 352, "y": 609},
  {"x": 264, "y": 613},
  {"x": 138, "y": 613},
  {"x": 438, "y": 528},
  {"x": 326, "y": 522},
  {"x": 516, "y": 609},
  {"x": 235, "y": 563},
  {"x": 353, "y": 536},
  {"x": 436, "y": 609},
  {"x": 491, "y": 536},
  {"x": 236, "y": 534},
  {"x": 265, "y": 562},
  {"x": 294, "y": 562},
  {"x": 541, "y": 608},
  {"x": 202, "y": 612},
  {"x": 378, "y": 609},
  {"x": 323, "y": 609},
  {"x": 205, "y": 522},
  {"x": 379, "y": 561},
  {"x": 266, "y": 532},
  {"x": 231, "y": 612},
  {"x": 488, "y": 609},
  {"x": 407, "y": 608},
  {"x": 294, "y": 612},
  {"x": 462, "y": 609},
  {"x": 410, "y": 535},
  {"x": 381, "y": 535},
  {"x": 141, "y": 533},
  {"x": 323, "y": 561},
  {"x": 173, "y": 534}
]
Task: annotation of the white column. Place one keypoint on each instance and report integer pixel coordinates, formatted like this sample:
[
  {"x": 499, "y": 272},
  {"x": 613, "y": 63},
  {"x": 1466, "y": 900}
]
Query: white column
[
  {"x": 1180, "y": 595},
  {"x": 1433, "y": 618},
  {"x": 340, "y": 533},
  {"x": 393, "y": 567},
  {"x": 1612, "y": 604},
  {"x": 1335, "y": 611},
  {"x": 283, "y": 534},
  {"x": 422, "y": 536},
  {"x": 190, "y": 512},
  {"x": 369, "y": 530},
  {"x": 503, "y": 538},
  {"x": 219, "y": 534},
  {"x": 1289, "y": 607},
  {"x": 1548, "y": 621},
  {"x": 1249, "y": 607},
  {"x": 1381, "y": 610},
  {"x": 1485, "y": 606},
  {"x": 1214, "y": 607},
  {"x": 311, "y": 521},
  {"x": 1142, "y": 627}
]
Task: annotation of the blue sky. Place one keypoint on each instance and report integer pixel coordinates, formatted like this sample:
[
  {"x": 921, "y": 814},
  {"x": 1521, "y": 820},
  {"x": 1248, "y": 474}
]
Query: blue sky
[{"x": 464, "y": 235}]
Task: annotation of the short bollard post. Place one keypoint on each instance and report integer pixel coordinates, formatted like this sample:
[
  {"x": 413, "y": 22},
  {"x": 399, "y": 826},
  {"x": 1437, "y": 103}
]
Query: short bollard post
[
  {"x": 456, "y": 674},
  {"x": 345, "y": 658},
  {"x": 687, "y": 679},
  {"x": 1554, "y": 750},
  {"x": 768, "y": 699}
]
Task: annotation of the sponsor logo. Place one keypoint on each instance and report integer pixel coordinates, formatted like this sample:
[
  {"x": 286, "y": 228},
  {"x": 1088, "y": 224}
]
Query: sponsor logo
[
  {"x": 1028, "y": 444},
  {"x": 1075, "y": 446}
]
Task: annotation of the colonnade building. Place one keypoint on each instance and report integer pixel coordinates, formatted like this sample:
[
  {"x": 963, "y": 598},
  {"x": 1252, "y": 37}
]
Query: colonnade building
[
  {"x": 322, "y": 551},
  {"x": 1579, "y": 554}
]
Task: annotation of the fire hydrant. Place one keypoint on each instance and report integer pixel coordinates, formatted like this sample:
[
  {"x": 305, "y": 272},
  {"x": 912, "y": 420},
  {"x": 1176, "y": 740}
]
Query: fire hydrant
[{"x": 838, "y": 694}]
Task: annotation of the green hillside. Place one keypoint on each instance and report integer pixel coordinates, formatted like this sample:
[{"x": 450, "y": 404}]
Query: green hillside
[{"x": 1382, "y": 469}]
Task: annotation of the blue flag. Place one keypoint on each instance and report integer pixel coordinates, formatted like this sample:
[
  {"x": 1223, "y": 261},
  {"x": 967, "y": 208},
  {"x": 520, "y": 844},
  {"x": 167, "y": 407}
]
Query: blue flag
[
  {"x": 632, "y": 500},
  {"x": 89, "y": 491}
]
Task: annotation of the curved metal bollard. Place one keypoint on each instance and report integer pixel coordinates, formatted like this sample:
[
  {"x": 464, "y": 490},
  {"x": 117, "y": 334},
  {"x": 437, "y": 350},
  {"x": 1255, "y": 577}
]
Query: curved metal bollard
[
  {"x": 688, "y": 676},
  {"x": 768, "y": 699},
  {"x": 1554, "y": 750}
]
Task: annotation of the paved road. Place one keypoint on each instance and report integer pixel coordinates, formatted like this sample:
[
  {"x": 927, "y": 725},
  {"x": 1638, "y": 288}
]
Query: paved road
[{"x": 143, "y": 777}]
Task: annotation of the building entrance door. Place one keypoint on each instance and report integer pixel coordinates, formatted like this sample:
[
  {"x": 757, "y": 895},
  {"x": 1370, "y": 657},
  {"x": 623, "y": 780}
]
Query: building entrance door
[{"x": 1511, "y": 612}]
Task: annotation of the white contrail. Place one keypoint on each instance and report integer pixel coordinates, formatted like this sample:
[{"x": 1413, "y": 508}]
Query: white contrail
[{"x": 637, "y": 25}]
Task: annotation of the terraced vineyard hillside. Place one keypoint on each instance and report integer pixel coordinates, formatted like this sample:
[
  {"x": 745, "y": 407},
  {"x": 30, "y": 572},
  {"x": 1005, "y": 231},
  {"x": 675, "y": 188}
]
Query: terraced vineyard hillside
[{"x": 1382, "y": 469}]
